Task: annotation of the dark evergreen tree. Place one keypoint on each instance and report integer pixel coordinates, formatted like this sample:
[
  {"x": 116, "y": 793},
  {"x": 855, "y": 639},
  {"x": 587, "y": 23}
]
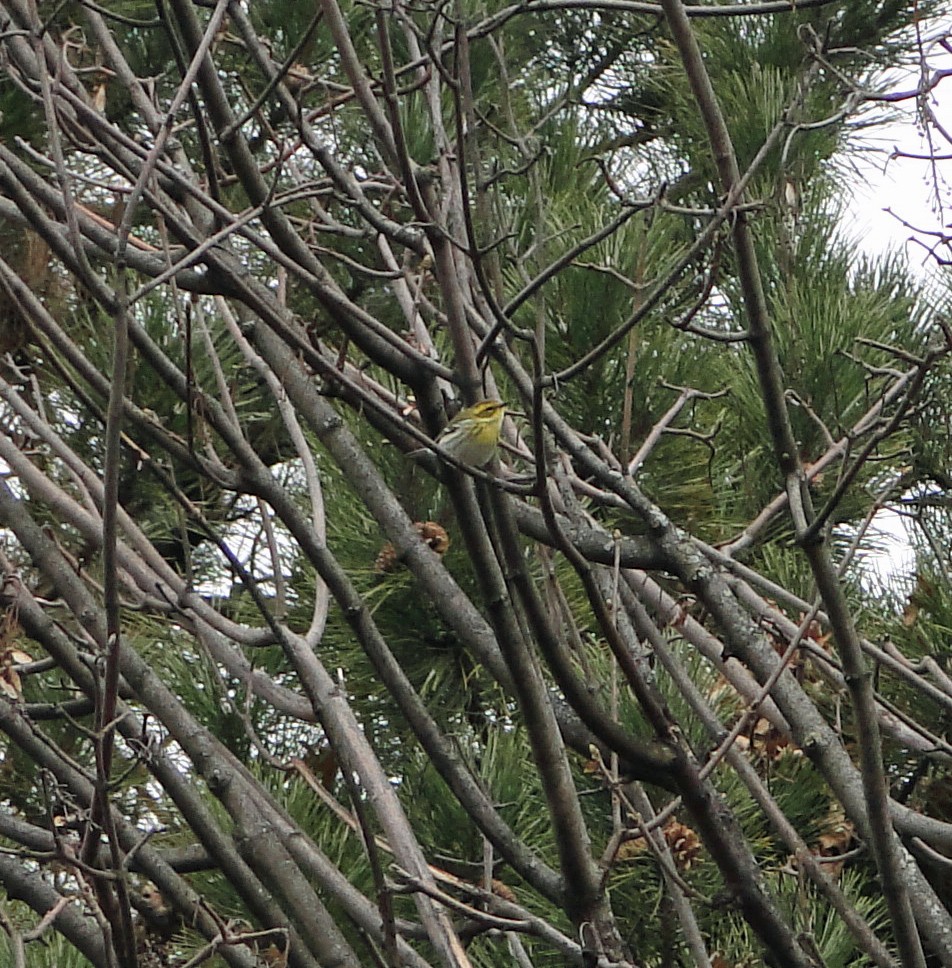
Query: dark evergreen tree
[{"x": 277, "y": 688}]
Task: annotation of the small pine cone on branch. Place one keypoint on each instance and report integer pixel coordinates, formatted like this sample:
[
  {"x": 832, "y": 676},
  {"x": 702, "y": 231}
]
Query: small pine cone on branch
[
  {"x": 684, "y": 843},
  {"x": 432, "y": 533}
]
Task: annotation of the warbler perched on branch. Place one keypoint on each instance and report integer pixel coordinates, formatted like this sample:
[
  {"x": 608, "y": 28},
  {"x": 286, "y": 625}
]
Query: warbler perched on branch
[{"x": 473, "y": 434}]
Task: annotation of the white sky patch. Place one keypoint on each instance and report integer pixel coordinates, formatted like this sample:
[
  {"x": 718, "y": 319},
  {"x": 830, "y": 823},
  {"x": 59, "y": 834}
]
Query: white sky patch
[
  {"x": 899, "y": 195},
  {"x": 894, "y": 566},
  {"x": 903, "y": 201}
]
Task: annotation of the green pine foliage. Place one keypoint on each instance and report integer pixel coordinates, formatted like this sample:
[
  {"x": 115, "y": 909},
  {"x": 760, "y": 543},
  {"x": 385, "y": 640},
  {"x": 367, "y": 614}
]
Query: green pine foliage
[{"x": 570, "y": 120}]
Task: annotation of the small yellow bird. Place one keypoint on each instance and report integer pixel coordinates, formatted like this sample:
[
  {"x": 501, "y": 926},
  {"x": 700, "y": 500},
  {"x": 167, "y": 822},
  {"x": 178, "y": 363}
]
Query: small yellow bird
[{"x": 473, "y": 434}]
